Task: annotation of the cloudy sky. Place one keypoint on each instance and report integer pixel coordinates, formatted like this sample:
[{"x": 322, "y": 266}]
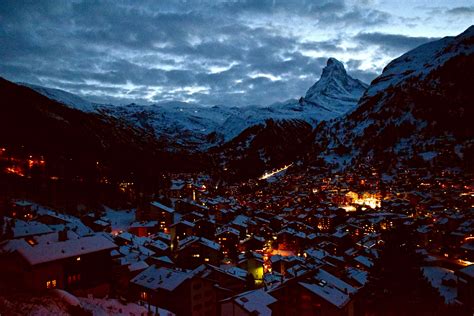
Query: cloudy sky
[{"x": 210, "y": 52}]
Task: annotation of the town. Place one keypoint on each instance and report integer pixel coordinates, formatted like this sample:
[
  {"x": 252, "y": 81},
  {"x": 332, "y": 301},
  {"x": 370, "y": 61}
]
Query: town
[{"x": 294, "y": 241}]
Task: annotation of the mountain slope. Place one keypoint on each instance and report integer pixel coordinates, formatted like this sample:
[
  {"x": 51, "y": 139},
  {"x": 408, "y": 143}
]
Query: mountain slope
[
  {"x": 196, "y": 127},
  {"x": 419, "y": 110},
  {"x": 64, "y": 97},
  {"x": 261, "y": 147},
  {"x": 74, "y": 142}
]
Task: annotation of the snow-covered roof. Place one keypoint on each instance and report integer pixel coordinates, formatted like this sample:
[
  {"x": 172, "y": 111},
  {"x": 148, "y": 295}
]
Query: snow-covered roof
[
  {"x": 144, "y": 224},
  {"x": 358, "y": 275},
  {"x": 227, "y": 229},
  {"x": 328, "y": 292},
  {"x": 162, "y": 207},
  {"x": 335, "y": 281},
  {"x": 436, "y": 276},
  {"x": 52, "y": 251},
  {"x": 469, "y": 270},
  {"x": 364, "y": 261},
  {"x": 256, "y": 301},
  {"x": 31, "y": 228},
  {"x": 140, "y": 265},
  {"x": 204, "y": 241},
  {"x": 161, "y": 278}
]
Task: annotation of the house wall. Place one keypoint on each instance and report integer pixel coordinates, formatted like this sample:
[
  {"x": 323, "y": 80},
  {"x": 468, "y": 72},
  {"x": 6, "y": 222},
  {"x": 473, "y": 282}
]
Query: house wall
[
  {"x": 230, "y": 308},
  {"x": 296, "y": 300}
]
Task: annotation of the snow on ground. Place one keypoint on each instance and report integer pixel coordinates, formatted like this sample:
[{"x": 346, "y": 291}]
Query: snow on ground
[
  {"x": 436, "y": 276},
  {"x": 120, "y": 220},
  {"x": 59, "y": 302},
  {"x": 37, "y": 305},
  {"x": 105, "y": 307}
]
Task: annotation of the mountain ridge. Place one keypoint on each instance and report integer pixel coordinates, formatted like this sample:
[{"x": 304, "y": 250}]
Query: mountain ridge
[{"x": 197, "y": 127}]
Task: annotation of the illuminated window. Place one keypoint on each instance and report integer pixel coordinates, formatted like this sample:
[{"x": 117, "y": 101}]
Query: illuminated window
[
  {"x": 196, "y": 255},
  {"x": 144, "y": 296},
  {"x": 51, "y": 284},
  {"x": 31, "y": 241},
  {"x": 78, "y": 259}
]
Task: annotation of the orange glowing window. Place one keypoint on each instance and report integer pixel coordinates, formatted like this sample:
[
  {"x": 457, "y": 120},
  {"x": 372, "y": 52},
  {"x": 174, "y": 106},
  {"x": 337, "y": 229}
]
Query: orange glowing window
[{"x": 51, "y": 284}]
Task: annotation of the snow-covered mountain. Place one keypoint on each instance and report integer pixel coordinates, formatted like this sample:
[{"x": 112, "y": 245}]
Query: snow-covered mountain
[
  {"x": 420, "y": 109},
  {"x": 335, "y": 91},
  {"x": 64, "y": 97},
  {"x": 197, "y": 127}
]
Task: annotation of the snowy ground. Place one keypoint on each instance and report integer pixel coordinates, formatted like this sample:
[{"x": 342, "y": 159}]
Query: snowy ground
[
  {"x": 62, "y": 303},
  {"x": 105, "y": 307},
  {"x": 436, "y": 275},
  {"x": 28, "y": 305},
  {"x": 102, "y": 307},
  {"x": 120, "y": 219}
]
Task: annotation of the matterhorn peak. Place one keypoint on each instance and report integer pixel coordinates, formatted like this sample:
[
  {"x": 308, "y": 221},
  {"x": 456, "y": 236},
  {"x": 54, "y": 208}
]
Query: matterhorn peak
[
  {"x": 335, "y": 90},
  {"x": 333, "y": 66}
]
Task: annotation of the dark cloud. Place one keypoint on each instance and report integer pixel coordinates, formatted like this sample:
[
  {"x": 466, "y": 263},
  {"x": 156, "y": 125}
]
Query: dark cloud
[
  {"x": 461, "y": 11},
  {"x": 400, "y": 43},
  {"x": 214, "y": 52}
]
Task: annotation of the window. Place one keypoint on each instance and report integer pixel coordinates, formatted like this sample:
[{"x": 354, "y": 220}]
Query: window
[
  {"x": 143, "y": 296},
  {"x": 31, "y": 241},
  {"x": 74, "y": 278},
  {"x": 51, "y": 284}
]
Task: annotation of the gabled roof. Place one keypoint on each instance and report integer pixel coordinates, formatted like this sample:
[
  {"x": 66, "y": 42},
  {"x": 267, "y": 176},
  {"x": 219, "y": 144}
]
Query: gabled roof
[
  {"x": 155, "y": 278},
  {"x": 256, "y": 301},
  {"x": 162, "y": 207},
  {"x": 328, "y": 292},
  {"x": 31, "y": 228},
  {"x": 52, "y": 251}
]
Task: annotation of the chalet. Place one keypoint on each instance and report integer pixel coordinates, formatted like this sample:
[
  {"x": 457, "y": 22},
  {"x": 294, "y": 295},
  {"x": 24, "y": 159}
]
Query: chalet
[
  {"x": 22, "y": 210},
  {"x": 252, "y": 262},
  {"x": 281, "y": 264},
  {"x": 181, "y": 230},
  {"x": 206, "y": 227},
  {"x": 60, "y": 260},
  {"x": 243, "y": 224},
  {"x": 230, "y": 281},
  {"x": 467, "y": 250},
  {"x": 228, "y": 238},
  {"x": 163, "y": 214},
  {"x": 184, "y": 207},
  {"x": 177, "y": 189},
  {"x": 183, "y": 293},
  {"x": 319, "y": 294},
  {"x": 194, "y": 251},
  {"x": 256, "y": 302},
  {"x": 16, "y": 228},
  {"x": 144, "y": 228},
  {"x": 252, "y": 243},
  {"x": 466, "y": 285}
]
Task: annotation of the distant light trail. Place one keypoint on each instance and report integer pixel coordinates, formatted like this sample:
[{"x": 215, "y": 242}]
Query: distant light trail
[{"x": 267, "y": 175}]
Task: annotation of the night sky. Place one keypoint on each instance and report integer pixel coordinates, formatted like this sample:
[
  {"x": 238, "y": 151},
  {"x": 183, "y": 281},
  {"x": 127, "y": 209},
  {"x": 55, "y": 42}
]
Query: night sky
[{"x": 210, "y": 52}]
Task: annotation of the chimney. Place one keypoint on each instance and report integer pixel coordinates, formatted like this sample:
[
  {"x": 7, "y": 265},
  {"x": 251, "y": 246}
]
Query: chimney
[{"x": 62, "y": 234}]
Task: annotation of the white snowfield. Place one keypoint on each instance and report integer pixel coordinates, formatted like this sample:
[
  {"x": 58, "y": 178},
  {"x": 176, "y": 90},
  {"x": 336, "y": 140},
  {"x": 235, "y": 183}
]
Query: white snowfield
[{"x": 421, "y": 61}]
